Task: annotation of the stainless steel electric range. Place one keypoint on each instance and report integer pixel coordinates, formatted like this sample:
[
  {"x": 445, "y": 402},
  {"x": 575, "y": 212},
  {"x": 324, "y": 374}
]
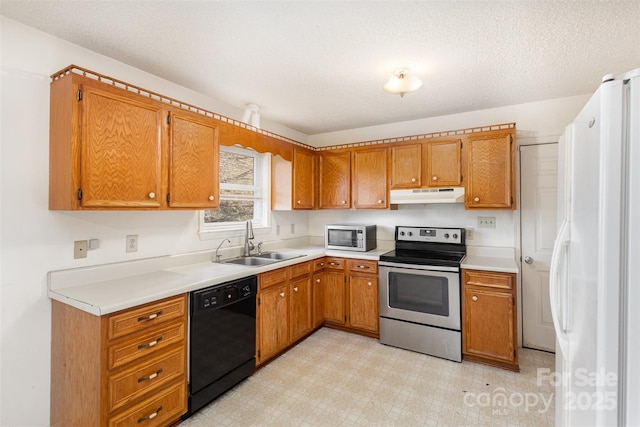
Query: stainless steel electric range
[{"x": 420, "y": 291}]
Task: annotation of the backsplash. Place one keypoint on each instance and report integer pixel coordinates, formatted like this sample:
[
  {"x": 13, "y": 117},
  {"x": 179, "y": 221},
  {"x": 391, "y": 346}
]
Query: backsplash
[{"x": 440, "y": 215}]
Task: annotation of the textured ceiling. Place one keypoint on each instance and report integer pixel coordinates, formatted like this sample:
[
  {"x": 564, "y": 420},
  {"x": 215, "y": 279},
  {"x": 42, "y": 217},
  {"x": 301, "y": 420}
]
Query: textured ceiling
[{"x": 318, "y": 67}]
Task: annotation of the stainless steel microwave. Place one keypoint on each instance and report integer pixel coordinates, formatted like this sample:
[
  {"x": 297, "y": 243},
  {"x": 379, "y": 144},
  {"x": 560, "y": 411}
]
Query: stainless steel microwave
[{"x": 346, "y": 237}]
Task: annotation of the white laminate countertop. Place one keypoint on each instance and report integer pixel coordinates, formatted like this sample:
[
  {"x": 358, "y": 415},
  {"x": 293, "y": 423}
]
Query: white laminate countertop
[
  {"x": 109, "y": 288},
  {"x": 502, "y": 260}
]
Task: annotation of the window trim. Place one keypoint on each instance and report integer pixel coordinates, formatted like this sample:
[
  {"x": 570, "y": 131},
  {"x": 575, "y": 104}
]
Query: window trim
[{"x": 262, "y": 225}]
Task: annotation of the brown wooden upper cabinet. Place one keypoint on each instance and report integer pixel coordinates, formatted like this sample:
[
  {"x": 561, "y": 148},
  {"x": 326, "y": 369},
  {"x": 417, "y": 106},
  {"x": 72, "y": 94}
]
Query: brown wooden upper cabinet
[
  {"x": 491, "y": 170},
  {"x": 111, "y": 148},
  {"x": 193, "y": 162},
  {"x": 304, "y": 178},
  {"x": 335, "y": 179},
  {"x": 443, "y": 163},
  {"x": 406, "y": 166},
  {"x": 370, "y": 178}
]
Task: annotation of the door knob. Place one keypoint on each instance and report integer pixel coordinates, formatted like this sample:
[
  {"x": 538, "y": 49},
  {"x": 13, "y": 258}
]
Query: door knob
[{"x": 528, "y": 260}]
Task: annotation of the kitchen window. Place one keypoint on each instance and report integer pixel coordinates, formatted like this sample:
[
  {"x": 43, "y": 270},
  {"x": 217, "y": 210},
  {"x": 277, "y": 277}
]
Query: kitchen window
[{"x": 244, "y": 191}]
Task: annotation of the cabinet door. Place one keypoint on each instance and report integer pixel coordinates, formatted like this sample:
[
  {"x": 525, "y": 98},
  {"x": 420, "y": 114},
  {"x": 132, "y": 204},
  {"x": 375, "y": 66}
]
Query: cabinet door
[
  {"x": 443, "y": 163},
  {"x": 370, "y": 178},
  {"x": 304, "y": 170},
  {"x": 274, "y": 326},
  {"x": 301, "y": 307},
  {"x": 491, "y": 171},
  {"x": 363, "y": 302},
  {"x": 406, "y": 166},
  {"x": 121, "y": 160},
  {"x": 489, "y": 324},
  {"x": 334, "y": 297},
  {"x": 193, "y": 163},
  {"x": 335, "y": 180}
]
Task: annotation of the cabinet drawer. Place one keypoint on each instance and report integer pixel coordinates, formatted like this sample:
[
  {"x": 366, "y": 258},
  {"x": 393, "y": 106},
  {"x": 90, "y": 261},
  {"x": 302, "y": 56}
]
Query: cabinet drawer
[
  {"x": 301, "y": 269},
  {"x": 137, "y": 319},
  {"x": 318, "y": 264},
  {"x": 364, "y": 266},
  {"x": 273, "y": 277},
  {"x": 159, "y": 410},
  {"x": 334, "y": 263},
  {"x": 497, "y": 281},
  {"x": 142, "y": 345},
  {"x": 132, "y": 383}
]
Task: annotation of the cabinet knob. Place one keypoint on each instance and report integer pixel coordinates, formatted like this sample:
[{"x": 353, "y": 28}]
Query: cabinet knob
[
  {"x": 317, "y": 280},
  {"x": 379, "y": 201},
  {"x": 295, "y": 289},
  {"x": 368, "y": 283},
  {"x": 474, "y": 298},
  {"x": 298, "y": 202},
  {"x": 413, "y": 180},
  {"x": 477, "y": 199},
  {"x": 435, "y": 178},
  {"x": 282, "y": 294},
  {"x": 362, "y": 266},
  {"x": 344, "y": 202},
  {"x": 212, "y": 198},
  {"x": 152, "y": 195}
]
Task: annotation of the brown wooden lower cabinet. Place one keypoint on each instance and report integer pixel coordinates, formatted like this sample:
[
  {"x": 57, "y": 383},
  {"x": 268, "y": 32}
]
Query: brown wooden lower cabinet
[
  {"x": 489, "y": 318},
  {"x": 121, "y": 369}
]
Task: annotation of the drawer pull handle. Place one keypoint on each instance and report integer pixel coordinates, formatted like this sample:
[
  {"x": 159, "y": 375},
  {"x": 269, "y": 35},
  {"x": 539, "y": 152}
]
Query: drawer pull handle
[
  {"x": 150, "y": 377},
  {"x": 149, "y": 317},
  {"x": 150, "y": 416},
  {"x": 295, "y": 289},
  {"x": 282, "y": 294},
  {"x": 363, "y": 266},
  {"x": 318, "y": 280},
  {"x": 334, "y": 263},
  {"x": 151, "y": 344}
]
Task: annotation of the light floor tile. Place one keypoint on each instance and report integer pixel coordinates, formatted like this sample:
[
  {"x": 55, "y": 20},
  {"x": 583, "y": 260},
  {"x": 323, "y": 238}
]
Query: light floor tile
[{"x": 334, "y": 378}]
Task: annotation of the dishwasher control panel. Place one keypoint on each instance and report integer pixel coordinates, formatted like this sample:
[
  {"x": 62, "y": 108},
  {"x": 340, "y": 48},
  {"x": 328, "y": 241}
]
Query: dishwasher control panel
[{"x": 223, "y": 294}]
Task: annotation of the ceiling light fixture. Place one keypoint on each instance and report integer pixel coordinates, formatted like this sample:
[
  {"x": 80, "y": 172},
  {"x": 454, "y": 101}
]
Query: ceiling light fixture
[{"x": 400, "y": 82}]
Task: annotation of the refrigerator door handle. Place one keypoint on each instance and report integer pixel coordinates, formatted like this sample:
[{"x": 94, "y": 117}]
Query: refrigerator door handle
[{"x": 559, "y": 319}]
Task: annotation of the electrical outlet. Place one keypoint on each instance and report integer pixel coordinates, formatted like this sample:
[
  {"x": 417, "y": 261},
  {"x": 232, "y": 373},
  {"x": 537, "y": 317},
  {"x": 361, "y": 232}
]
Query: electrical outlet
[
  {"x": 486, "y": 222},
  {"x": 469, "y": 234},
  {"x": 80, "y": 249},
  {"x": 132, "y": 243}
]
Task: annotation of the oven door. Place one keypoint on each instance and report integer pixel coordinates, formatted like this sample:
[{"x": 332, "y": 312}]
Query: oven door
[{"x": 420, "y": 294}]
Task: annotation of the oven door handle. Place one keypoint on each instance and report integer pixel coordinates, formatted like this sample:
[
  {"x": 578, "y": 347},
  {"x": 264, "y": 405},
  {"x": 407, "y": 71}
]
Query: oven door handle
[{"x": 418, "y": 267}]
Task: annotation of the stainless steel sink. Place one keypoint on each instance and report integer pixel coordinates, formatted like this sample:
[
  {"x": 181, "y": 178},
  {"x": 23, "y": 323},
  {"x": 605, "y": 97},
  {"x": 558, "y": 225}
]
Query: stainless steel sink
[
  {"x": 278, "y": 256},
  {"x": 250, "y": 261},
  {"x": 262, "y": 259}
]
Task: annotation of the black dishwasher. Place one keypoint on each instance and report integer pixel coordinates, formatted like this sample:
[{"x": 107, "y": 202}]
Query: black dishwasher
[{"x": 222, "y": 339}]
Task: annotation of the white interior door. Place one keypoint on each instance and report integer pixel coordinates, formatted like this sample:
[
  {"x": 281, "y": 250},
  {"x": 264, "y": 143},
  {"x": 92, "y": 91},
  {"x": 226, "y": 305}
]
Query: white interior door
[{"x": 538, "y": 216}]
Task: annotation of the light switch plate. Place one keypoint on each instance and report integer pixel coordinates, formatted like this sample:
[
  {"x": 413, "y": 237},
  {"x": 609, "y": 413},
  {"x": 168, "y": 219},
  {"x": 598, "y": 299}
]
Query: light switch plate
[{"x": 80, "y": 249}]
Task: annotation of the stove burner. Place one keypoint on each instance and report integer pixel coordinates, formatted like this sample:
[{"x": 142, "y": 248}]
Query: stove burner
[{"x": 428, "y": 246}]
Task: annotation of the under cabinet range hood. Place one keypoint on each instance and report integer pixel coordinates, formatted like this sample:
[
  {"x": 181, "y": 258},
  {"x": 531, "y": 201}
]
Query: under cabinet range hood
[{"x": 427, "y": 195}]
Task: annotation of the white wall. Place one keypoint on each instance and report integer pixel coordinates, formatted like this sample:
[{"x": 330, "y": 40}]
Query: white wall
[{"x": 35, "y": 240}]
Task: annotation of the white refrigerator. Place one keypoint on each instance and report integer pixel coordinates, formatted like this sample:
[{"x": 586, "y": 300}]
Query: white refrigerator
[{"x": 595, "y": 267}]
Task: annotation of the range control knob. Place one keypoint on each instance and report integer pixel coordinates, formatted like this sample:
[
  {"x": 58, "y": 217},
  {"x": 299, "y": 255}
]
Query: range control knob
[
  {"x": 402, "y": 233},
  {"x": 409, "y": 233},
  {"x": 455, "y": 236},
  {"x": 446, "y": 235}
]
